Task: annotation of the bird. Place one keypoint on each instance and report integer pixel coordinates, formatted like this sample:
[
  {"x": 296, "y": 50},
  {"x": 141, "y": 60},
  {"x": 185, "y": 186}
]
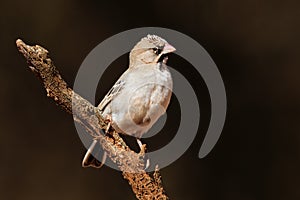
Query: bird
[{"x": 140, "y": 96}]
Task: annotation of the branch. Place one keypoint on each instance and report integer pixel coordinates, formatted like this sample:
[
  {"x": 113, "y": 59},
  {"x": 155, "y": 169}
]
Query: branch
[{"x": 144, "y": 185}]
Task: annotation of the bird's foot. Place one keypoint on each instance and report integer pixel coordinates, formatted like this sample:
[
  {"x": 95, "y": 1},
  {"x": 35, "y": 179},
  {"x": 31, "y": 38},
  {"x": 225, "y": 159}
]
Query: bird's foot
[
  {"x": 109, "y": 120},
  {"x": 142, "y": 151},
  {"x": 107, "y": 128}
]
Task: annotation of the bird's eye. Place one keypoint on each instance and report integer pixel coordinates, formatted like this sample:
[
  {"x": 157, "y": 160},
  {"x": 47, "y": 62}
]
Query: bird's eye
[{"x": 156, "y": 50}]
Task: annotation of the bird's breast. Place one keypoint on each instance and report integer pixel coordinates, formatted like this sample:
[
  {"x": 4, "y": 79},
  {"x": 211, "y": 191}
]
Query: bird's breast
[{"x": 144, "y": 98}]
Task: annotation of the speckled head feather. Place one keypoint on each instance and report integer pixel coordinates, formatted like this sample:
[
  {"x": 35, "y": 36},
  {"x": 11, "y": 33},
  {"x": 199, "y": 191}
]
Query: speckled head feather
[
  {"x": 156, "y": 40},
  {"x": 150, "y": 41}
]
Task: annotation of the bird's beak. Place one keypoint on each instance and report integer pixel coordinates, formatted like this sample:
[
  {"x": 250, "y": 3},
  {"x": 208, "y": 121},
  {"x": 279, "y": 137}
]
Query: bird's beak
[{"x": 168, "y": 49}]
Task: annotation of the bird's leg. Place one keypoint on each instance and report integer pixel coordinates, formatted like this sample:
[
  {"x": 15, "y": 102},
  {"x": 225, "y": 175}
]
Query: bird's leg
[
  {"x": 112, "y": 134},
  {"x": 108, "y": 118},
  {"x": 108, "y": 127},
  {"x": 142, "y": 149},
  {"x": 105, "y": 126},
  {"x": 139, "y": 143}
]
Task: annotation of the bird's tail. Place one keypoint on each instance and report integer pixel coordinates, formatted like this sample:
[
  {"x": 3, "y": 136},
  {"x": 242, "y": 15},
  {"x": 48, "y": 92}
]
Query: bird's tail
[{"x": 91, "y": 161}]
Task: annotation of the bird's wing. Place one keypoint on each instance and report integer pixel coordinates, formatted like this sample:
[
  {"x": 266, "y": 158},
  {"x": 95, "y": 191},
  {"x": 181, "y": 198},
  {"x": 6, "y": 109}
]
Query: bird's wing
[{"x": 113, "y": 92}]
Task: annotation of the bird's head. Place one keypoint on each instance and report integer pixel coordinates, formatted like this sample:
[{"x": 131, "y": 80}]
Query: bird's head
[{"x": 151, "y": 49}]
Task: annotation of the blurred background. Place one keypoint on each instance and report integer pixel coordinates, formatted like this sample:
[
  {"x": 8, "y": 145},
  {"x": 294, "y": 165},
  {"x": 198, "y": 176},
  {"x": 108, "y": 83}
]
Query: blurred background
[{"x": 255, "y": 45}]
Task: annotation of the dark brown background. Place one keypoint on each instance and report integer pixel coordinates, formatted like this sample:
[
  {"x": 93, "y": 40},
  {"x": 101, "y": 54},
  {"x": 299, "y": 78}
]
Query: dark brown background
[{"x": 255, "y": 45}]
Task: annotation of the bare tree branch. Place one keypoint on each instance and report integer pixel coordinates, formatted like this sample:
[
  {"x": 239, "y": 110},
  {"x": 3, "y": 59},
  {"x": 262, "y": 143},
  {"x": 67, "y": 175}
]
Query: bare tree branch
[{"x": 130, "y": 163}]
